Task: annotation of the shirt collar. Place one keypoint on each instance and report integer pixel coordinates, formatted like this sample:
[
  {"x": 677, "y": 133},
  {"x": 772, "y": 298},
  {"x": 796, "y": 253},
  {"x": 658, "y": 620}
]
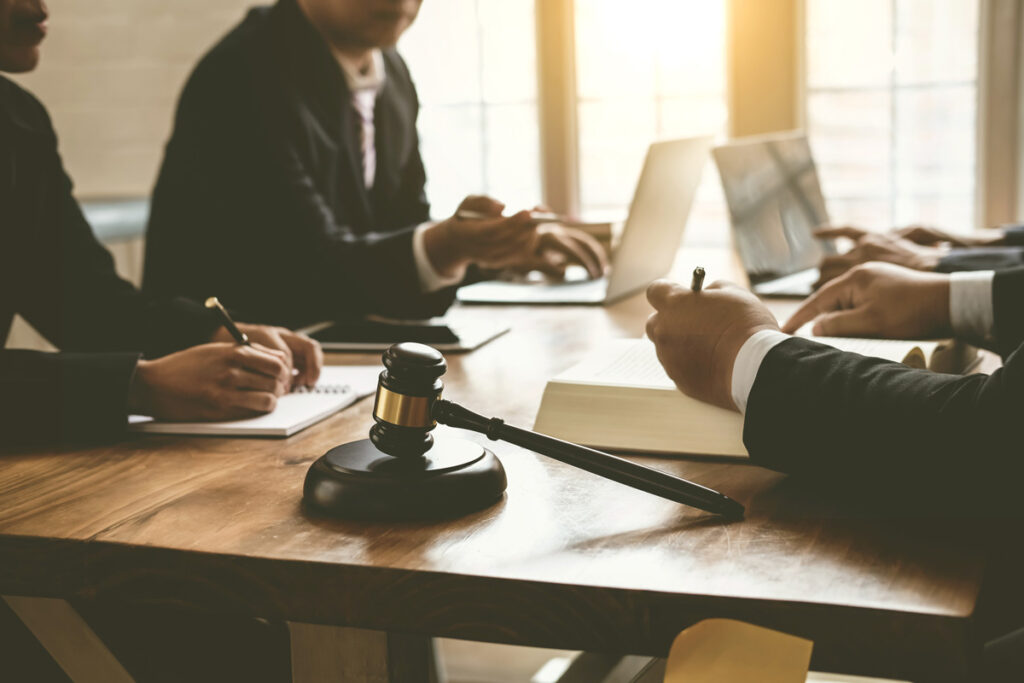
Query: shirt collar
[{"x": 372, "y": 79}]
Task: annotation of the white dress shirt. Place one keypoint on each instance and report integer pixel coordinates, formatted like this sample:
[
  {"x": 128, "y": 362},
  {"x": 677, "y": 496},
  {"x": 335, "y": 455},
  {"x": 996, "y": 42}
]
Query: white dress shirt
[
  {"x": 970, "y": 313},
  {"x": 365, "y": 81}
]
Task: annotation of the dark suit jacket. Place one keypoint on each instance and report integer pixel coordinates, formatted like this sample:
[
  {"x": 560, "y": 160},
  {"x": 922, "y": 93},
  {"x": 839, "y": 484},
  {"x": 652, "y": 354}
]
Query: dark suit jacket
[
  {"x": 261, "y": 198},
  {"x": 814, "y": 409},
  {"x": 58, "y": 277},
  {"x": 1010, "y": 255}
]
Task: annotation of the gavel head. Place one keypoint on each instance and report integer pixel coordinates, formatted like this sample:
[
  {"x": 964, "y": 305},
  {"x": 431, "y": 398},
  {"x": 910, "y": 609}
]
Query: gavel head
[{"x": 406, "y": 392}]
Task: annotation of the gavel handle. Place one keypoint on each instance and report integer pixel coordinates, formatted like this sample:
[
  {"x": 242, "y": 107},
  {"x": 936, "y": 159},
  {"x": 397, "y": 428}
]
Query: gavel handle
[{"x": 602, "y": 464}]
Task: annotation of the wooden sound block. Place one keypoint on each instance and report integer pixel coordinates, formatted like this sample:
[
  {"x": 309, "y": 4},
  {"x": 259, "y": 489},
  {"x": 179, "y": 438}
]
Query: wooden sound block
[{"x": 357, "y": 481}]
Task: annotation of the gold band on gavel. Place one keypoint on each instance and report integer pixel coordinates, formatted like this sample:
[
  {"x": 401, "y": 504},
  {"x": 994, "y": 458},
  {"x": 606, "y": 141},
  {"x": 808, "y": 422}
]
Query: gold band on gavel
[{"x": 404, "y": 411}]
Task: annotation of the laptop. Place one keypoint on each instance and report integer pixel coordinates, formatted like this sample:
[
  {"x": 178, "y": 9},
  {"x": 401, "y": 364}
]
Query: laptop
[
  {"x": 650, "y": 238},
  {"x": 775, "y": 203}
]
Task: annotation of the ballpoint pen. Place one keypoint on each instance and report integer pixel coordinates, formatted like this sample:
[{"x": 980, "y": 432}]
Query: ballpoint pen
[{"x": 225, "y": 319}]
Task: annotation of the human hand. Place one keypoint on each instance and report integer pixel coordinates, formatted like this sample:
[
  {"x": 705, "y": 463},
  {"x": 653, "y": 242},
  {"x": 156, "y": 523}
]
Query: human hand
[
  {"x": 698, "y": 335},
  {"x": 494, "y": 241},
  {"x": 219, "y": 381},
  {"x": 922, "y": 234},
  {"x": 301, "y": 353},
  {"x": 875, "y": 246},
  {"x": 557, "y": 246},
  {"x": 878, "y": 300}
]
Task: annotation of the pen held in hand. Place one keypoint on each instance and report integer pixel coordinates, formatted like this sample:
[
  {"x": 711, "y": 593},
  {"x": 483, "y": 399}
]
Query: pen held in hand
[
  {"x": 225, "y": 319},
  {"x": 697, "y": 283},
  {"x": 537, "y": 217}
]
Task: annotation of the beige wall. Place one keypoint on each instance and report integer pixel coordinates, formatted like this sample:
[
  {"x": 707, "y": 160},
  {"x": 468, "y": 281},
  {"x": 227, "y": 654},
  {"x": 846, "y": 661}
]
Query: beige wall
[{"x": 110, "y": 75}]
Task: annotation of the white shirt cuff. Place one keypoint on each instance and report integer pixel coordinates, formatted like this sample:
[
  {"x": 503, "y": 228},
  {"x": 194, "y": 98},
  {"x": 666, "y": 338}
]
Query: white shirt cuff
[
  {"x": 430, "y": 279},
  {"x": 970, "y": 303},
  {"x": 748, "y": 362}
]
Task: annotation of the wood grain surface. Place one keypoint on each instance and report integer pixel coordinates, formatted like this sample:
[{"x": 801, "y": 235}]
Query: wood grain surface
[{"x": 566, "y": 560}]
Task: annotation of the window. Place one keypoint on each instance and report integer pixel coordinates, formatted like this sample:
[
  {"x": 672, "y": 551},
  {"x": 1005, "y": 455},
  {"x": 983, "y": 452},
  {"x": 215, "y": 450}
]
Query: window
[
  {"x": 646, "y": 70},
  {"x": 891, "y": 109},
  {"x": 474, "y": 64}
]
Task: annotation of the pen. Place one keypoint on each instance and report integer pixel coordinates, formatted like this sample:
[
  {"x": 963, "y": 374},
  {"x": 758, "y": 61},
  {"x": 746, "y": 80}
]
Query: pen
[
  {"x": 698, "y": 279},
  {"x": 225, "y": 319},
  {"x": 538, "y": 217}
]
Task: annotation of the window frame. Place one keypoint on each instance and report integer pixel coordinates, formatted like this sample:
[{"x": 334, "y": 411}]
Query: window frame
[{"x": 780, "y": 54}]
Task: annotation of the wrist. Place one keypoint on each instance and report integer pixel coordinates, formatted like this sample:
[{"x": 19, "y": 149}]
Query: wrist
[
  {"x": 725, "y": 362},
  {"x": 938, "y": 298},
  {"x": 443, "y": 251},
  {"x": 139, "y": 389},
  {"x": 928, "y": 258}
]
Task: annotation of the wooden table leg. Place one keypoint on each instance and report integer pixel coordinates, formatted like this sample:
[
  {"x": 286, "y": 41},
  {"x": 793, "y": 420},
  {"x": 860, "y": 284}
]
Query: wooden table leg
[
  {"x": 70, "y": 641},
  {"x": 337, "y": 653}
]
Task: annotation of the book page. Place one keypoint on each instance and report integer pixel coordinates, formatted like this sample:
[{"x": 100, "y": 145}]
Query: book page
[
  {"x": 897, "y": 350},
  {"x": 624, "y": 362},
  {"x": 619, "y": 397}
]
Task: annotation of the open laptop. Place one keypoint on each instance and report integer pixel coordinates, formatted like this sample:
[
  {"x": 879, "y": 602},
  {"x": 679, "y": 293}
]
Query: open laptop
[
  {"x": 775, "y": 202},
  {"x": 650, "y": 238}
]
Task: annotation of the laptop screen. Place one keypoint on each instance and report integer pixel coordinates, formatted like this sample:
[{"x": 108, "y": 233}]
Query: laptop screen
[{"x": 775, "y": 202}]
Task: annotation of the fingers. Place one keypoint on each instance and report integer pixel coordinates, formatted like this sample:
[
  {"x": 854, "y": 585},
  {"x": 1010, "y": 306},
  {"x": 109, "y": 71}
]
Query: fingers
[
  {"x": 239, "y": 379},
  {"x": 833, "y": 266},
  {"x": 852, "y": 323},
  {"x": 483, "y": 204},
  {"x": 577, "y": 250},
  {"x": 511, "y": 238},
  {"x": 253, "y": 401},
  {"x": 550, "y": 263},
  {"x": 261, "y": 360},
  {"x": 594, "y": 249},
  {"x": 832, "y": 231},
  {"x": 830, "y": 297},
  {"x": 308, "y": 356},
  {"x": 270, "y": 338},
  {"x": 660, "y": 292},
  {"x": 651, "y": 328}
]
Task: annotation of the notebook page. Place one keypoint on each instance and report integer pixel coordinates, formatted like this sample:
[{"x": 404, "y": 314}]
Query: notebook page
[
  {"x": 624, "y": 362},
  {"x": 338, "y": 387}
]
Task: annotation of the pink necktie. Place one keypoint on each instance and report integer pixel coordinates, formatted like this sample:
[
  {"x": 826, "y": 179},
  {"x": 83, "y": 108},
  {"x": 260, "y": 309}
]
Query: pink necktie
[{"x": 363, "y": 101}]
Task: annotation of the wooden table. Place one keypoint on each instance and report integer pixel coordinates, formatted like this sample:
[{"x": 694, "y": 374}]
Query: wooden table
[{"x": 566, "y": 560}]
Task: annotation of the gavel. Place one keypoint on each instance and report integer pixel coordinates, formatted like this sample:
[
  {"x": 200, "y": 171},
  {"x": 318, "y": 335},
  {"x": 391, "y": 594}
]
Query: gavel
[{"x": 400, "y": 471}]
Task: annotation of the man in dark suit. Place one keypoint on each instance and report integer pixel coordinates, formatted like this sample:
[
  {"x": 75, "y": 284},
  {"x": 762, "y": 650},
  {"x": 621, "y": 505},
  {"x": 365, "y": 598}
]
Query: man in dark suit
[
  {"x": 812, "y": 409},
  {"x": 57, "y": 276},
  {"x": 952, "y": 442},
  {"x": 925, "y": 248},
  {"x": 293, "y": 182}
]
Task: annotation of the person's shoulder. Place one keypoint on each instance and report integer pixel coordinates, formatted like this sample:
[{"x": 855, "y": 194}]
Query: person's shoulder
[
  {"x": 396, "y": 67},
  {"x": 234, "y": 52},
  {"x": 21, "y": 111}
]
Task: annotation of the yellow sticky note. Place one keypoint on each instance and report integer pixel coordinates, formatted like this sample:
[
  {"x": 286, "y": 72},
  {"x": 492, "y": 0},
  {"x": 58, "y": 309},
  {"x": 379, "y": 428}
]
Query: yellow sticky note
[{"x": 728, "y": 651}]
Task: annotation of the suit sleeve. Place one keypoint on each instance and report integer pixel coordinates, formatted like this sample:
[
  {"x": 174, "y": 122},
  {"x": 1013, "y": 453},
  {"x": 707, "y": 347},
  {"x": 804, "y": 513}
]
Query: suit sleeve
[
  {"x": 63, "y": 397},
  {"x": 1013, "y": 235},
  {"x": 1008, "y": 310},
  {"x": 982, "y": 258},
  {"x": 64, "y": 281},
  {"x": 815, "y": 409}
]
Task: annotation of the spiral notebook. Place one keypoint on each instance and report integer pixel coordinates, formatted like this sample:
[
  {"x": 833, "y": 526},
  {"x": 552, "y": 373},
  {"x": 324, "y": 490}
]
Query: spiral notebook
[{"x": 339, "y": 387}]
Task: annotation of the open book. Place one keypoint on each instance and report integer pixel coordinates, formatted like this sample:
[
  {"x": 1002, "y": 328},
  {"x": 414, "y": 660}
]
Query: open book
[
  {"x": 620, "y": 398},
  {"x": 339, "y": 387}
]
